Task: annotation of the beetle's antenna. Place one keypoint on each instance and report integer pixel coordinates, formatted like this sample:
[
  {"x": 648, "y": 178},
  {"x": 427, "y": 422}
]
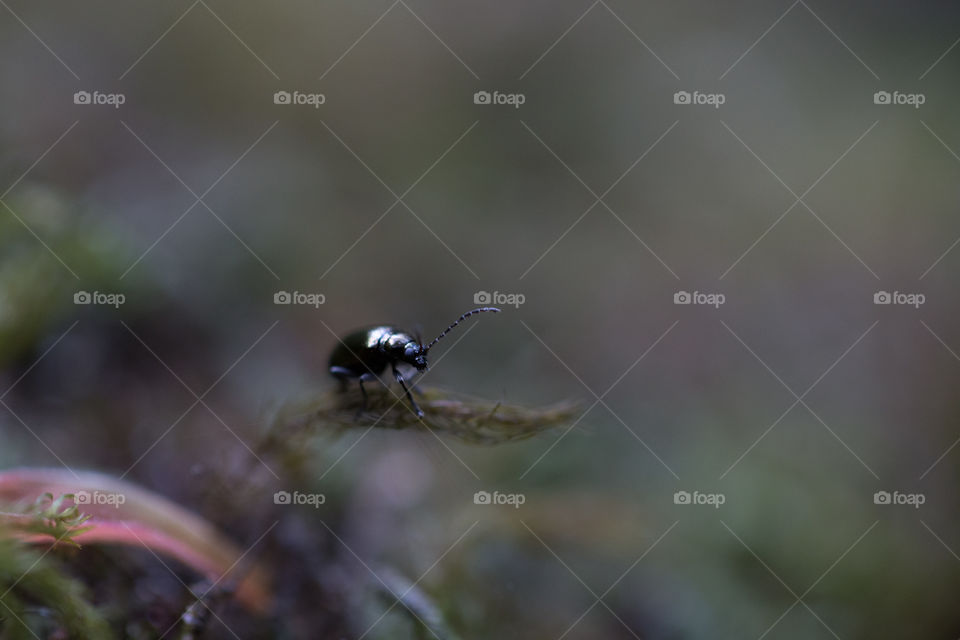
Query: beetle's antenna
[{"x": 458, "y": 321}]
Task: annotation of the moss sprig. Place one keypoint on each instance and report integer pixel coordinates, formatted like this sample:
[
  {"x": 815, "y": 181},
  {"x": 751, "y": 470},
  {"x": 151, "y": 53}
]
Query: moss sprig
[{"x": 48, "y": 516}]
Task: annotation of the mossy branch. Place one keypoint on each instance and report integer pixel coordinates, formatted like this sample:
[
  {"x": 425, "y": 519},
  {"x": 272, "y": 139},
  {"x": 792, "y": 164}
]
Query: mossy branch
[
  {"x": 467, "y": 418},
  {"x": 134, "y": 517}
]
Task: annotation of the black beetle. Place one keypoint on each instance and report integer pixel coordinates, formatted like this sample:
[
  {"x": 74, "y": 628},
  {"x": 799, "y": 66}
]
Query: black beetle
[{"x": 365, "y": 354}]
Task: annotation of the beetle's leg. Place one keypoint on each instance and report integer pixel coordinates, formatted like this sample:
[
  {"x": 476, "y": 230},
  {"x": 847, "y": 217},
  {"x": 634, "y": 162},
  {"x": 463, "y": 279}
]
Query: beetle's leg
[
  {"x": 363, "y": 392},
  {"x": 416, "y": 409},
  {"x": 415, "y": 387}
]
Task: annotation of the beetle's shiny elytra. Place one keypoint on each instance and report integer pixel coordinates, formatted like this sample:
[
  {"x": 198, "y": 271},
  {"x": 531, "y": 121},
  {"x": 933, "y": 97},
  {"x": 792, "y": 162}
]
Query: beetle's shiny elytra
[{"x": 365, "y": 354}]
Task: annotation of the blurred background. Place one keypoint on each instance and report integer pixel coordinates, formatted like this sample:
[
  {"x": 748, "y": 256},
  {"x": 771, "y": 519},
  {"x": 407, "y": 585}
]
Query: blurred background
[{"x": 602, "y": 162}]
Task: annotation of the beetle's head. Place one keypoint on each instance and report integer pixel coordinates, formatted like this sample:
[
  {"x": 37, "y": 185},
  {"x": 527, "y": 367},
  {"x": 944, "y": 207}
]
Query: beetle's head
[{"x": 415, "y": 355}]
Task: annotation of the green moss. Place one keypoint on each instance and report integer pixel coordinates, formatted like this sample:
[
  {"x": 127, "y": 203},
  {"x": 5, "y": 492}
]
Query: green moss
[{"x": 38, "y": 600}]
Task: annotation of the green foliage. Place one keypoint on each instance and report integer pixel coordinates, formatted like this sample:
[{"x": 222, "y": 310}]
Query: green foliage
[
  {"x": 37, "y": 280},
  {"x": 39, "y": 600}
]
